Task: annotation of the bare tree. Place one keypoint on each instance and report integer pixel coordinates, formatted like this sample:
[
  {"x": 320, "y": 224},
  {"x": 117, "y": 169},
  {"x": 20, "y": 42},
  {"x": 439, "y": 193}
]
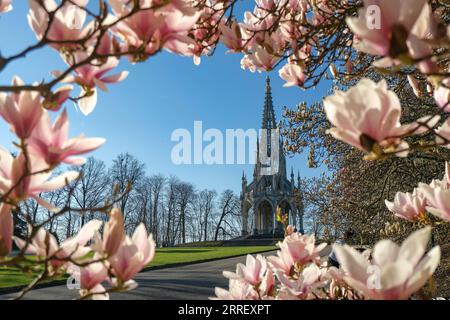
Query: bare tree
[
  {"x": 91, "y": 187},
  {"x": 185, "y": 193},
  {"x": 206, "y": 203},
  {"x": 125, "y": 173},
  {"x": 170, "y": 208},
  {"x": 157, "y": 183},
  {"x": 228, "y": 206}
]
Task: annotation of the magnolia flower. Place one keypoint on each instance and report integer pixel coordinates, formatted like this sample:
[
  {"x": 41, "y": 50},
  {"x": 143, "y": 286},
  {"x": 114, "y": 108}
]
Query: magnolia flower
[
  {"x": 292, "y": 74},
  {"x": 303, "y": 286},
  {"x": 337, "y": 287},
  {"x": 231, "y": 36},
  {"x": 385, "y": 28},
  {"x": 67, "y": 23},
  {"x": 92, "y": 276},
  {"x": 133, "y": 254},
  {"x": 301, "y": 248},
  {"x": 6, "y": 229},
  {"x": 55, "y": 100},
  {"x": 438, "y": 199},
  {"x": 394, "y": 273},
  {"x": 290, "y": 229},
  {"x": 238, "y": 290},
  {"x": 367, "y": 115},
  {"x": 155, "y": 29},
  {"x": 21, "y": 110},
  {"x": 51, "y": 143},
  {"x": 282, "y": 262},
  {"x": 252, "y": 272},
  {"x": 113, "y": 233},
  {"x": 96, "y": 293},
  {"x": 267, "y": 284},
  {"x": 173, "y": 33},
  {"x": 246, "y": 63},
  {"x": 92, "y": 75},
  {"x": 5, "y": 6},
  {"x": 22, "y": 179},
  {"x": 407, "y": 205},
  {"x": 261, "y": 59},
  {"x": 44, "y": 245}
]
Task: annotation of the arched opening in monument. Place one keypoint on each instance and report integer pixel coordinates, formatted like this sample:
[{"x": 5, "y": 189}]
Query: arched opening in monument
[
  {"x": 285, "y": 209},
  {"x": 264, "y": 217}
]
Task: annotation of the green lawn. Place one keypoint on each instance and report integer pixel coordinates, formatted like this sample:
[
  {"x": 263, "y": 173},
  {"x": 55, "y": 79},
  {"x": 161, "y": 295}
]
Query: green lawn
[{"x": 10, "y": 277}]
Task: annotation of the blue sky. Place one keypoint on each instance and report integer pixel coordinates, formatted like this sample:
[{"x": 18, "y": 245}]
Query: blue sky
[{"x": 164, "y": 93}]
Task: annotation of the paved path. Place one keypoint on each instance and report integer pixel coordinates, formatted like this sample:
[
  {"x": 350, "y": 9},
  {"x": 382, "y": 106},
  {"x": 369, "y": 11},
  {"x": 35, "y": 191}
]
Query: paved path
[{"x": 195, "y": 281}]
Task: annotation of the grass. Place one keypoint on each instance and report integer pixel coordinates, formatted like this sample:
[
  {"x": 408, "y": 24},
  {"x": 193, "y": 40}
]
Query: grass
[{"x": 12, "y": 277}]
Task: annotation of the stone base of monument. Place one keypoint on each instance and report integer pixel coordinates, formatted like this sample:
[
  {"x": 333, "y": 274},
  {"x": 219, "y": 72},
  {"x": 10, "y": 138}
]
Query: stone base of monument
[{"x": 267, "y": 239}]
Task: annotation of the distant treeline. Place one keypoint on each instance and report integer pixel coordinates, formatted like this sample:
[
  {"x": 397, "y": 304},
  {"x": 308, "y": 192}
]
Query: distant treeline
[{"x": 175, "y": 211}]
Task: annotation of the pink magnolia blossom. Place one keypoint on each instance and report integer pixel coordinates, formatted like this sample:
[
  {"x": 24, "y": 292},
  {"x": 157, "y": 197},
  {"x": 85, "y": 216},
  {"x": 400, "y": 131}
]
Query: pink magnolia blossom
[
  {"x": 252, "y": 272},
  {"x": 90, "y": 76},
  {"x": 290, "y": 229},
  {"x": 113, "y": 234},
  {"x": 44, "y": 245},
  {"x": 438, "y": 199},
  {"x": 173, "y": 33},
  {"x": 407, "y": 205},
  {"x": 394, "y": 273},
  {"x": 5, "y": 6},
  {"x": 21, "y": 110},
  {"x": 291, "y": 31},
  {"x": 6, "y": 229},
  {"x": 247, "y": 64},
  {"x": 242, "y": 289},
  {"x": 21, "y": 182},
  {"x": 369, "y": 114},
  {"x": 282, "y": 262},
  {"x": 92, "y": 275},
  {"x": 302, "y": 287},
  {"x": 155, "y": 29},
  {"x": 320, "y": 13},
  {"x": 133, "y": 254},
  {"x": 238, "y": 290},
  {"x": 55, "y": 100},
  {"x": 96, "y": 293},
  {"x": 301, "y": 248},
  {"x": 337, "y": 286},
  {"x": 293, "y": 75},
  {"x": 67, "y": 24},
  {"x": 265, "y": 54},
  {"x": 51, "y": 142},
  {"x": 394, "y": 35},
  {"x": 267, "y": 284},
  {"x": 231, "y": 36}
]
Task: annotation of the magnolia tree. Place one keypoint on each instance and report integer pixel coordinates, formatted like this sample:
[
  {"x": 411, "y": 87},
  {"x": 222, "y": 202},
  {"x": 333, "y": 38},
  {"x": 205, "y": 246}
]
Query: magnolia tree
[
  {"x": 398, "y": 38},
  {"x": 91, "y": 38},
  {"x": 306, "y": 39}
]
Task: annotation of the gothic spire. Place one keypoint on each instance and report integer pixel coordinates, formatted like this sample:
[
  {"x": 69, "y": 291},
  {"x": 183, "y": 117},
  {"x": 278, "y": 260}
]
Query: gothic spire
[{"x": 268, "y": 121}]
